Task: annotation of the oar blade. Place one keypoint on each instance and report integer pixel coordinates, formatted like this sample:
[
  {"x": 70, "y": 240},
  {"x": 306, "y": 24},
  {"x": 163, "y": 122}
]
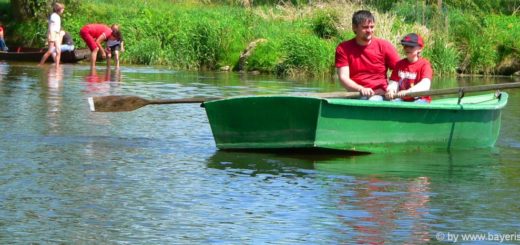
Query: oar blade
[{"x": 116, "y": 103}]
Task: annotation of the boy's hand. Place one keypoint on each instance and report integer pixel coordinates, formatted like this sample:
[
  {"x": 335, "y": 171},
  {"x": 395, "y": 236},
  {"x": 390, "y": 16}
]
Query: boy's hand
[
  {"x": 391, "y": 93},
  {"x": 402, "y": 93}
]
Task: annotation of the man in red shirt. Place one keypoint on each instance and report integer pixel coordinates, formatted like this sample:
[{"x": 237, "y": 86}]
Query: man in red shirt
[
  {"x": 362, "y": 62},
  {"x": 94, "y": 35}
]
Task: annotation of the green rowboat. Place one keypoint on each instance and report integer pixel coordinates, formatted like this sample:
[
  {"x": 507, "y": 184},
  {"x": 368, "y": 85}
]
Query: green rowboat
[{"x": 278, "y": 122}]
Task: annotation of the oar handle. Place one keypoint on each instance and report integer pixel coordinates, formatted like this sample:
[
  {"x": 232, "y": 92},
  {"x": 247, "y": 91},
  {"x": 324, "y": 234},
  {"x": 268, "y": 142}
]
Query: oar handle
[{"x": 348, "y": 95}]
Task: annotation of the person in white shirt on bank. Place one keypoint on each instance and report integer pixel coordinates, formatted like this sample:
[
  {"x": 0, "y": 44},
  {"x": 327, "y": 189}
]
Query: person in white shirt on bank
[{"x": 54, "y": 34}]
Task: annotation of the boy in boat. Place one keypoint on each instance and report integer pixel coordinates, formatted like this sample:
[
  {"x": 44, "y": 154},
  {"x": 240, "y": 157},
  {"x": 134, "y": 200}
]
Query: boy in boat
[
  {"x": 115, "y": 44},
  {"x": 412, "y": 74}
]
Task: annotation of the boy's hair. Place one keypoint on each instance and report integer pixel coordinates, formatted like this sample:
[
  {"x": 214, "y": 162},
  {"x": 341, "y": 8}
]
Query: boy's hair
[
  {"x": 117, "y": 34},
  {"x": 58, "y": 6},
  {"x": 361, "y": 16}
]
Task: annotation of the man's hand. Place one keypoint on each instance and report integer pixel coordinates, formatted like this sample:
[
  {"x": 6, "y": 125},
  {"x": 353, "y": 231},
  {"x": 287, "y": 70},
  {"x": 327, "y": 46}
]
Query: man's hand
[{"x": 367, "y": 92}]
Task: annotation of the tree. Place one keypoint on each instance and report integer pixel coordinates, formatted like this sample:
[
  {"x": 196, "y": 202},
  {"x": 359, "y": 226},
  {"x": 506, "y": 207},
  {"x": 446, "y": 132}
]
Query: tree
[
  {"x": 32, "y": 9},
  {"x": 28, "y": 9}
]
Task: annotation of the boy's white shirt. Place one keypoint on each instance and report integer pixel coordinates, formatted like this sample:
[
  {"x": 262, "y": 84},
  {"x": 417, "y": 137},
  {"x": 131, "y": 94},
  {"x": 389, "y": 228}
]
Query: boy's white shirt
[{"x": 423, "y": 85}]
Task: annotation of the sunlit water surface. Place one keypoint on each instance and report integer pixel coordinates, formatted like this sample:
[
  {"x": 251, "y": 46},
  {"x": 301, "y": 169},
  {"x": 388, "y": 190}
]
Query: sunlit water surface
[{"x": 154, "y": 175}]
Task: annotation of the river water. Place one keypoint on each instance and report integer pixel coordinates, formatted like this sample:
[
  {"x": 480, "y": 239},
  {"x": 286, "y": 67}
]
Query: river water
[{"x": 154, "y": 175}]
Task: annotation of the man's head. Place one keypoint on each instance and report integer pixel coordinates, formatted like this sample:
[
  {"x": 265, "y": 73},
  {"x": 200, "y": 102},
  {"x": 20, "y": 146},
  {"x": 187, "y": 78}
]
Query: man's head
[
  {"x": 363, "y": 23},
  {"x": 361, "y": 17}
]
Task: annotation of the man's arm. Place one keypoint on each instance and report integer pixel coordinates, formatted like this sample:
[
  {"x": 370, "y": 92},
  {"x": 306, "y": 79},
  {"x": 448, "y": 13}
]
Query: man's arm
[
  {"x": 349, "y": 84},
  {"x": 99, "y": 42}
]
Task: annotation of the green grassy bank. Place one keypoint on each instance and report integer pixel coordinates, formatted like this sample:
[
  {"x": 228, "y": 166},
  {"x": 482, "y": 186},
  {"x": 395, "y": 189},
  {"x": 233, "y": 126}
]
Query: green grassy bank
[{"x": 292, "y": 39}]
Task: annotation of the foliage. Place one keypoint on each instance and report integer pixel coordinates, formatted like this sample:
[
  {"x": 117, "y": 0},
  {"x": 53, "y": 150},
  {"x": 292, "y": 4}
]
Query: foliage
[
  {"x": 413, "y": 11},
  {"x": 507, "y": 7},
  {"x": 325, "y": 24},
  {"x": 266, "y": 56},
  {"x": 501, "y": 34},
  {"x": 443, "y": 56},
  {"x": 37, "y": 9},
  {"x": 485, "y": 41},
  {"x": 301, "y": 35},
  {"x": 308, "y": 55}
]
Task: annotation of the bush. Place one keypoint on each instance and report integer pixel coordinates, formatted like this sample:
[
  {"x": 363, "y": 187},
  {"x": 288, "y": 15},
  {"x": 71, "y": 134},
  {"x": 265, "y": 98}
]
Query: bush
[
  {"x": 307, "y": 55},
  {"x": 443, "y": 56},
  {"x": 265, "y": 57},
  {"x": 502, "y": 33},
  {"x": 325, "y": 24}
]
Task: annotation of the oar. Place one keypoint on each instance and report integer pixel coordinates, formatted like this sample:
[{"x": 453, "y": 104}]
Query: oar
[{"x": 114, "y": 103}]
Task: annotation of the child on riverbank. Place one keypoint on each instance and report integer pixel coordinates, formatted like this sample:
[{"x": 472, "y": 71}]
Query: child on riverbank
[
  {"x": 54, "y": 35},
  {"x": 115, "y": 44},
  {"x": 411, "y": 74},
  {"x": 67, "y": 44}
]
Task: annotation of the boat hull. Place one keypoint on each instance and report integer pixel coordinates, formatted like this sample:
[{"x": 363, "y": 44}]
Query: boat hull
[{"x": 273, "y": 122}]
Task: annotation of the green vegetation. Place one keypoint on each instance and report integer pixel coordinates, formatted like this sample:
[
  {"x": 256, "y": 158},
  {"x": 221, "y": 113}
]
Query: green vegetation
[{"x": 300, "y": 37}]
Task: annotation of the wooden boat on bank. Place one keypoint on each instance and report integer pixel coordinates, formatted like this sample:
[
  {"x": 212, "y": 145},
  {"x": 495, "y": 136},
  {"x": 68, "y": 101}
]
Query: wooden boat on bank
[
  {"x": 274, "y": 122},
  {"x": 36, "y": 54},
  {"x": 335, "y": 121}
]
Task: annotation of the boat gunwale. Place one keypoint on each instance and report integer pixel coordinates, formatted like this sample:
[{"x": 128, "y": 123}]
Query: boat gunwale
[{"x": 443, "y": 104}]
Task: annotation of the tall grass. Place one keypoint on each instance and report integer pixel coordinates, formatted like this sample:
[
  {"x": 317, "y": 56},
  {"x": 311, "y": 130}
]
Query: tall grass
[{"x": 306, "y": 55}]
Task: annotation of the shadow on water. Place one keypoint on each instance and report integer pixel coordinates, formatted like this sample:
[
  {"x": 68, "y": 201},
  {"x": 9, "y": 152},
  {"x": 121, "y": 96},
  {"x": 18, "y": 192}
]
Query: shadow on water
[
  {"x": 276, "y": 162},
  {"x": 261, "y": 162},
  {"x": 443, "y": 165}
]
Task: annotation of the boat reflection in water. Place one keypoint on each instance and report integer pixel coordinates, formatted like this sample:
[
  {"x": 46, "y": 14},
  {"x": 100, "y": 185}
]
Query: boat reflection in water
[{"x": 374, "y": 198}]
